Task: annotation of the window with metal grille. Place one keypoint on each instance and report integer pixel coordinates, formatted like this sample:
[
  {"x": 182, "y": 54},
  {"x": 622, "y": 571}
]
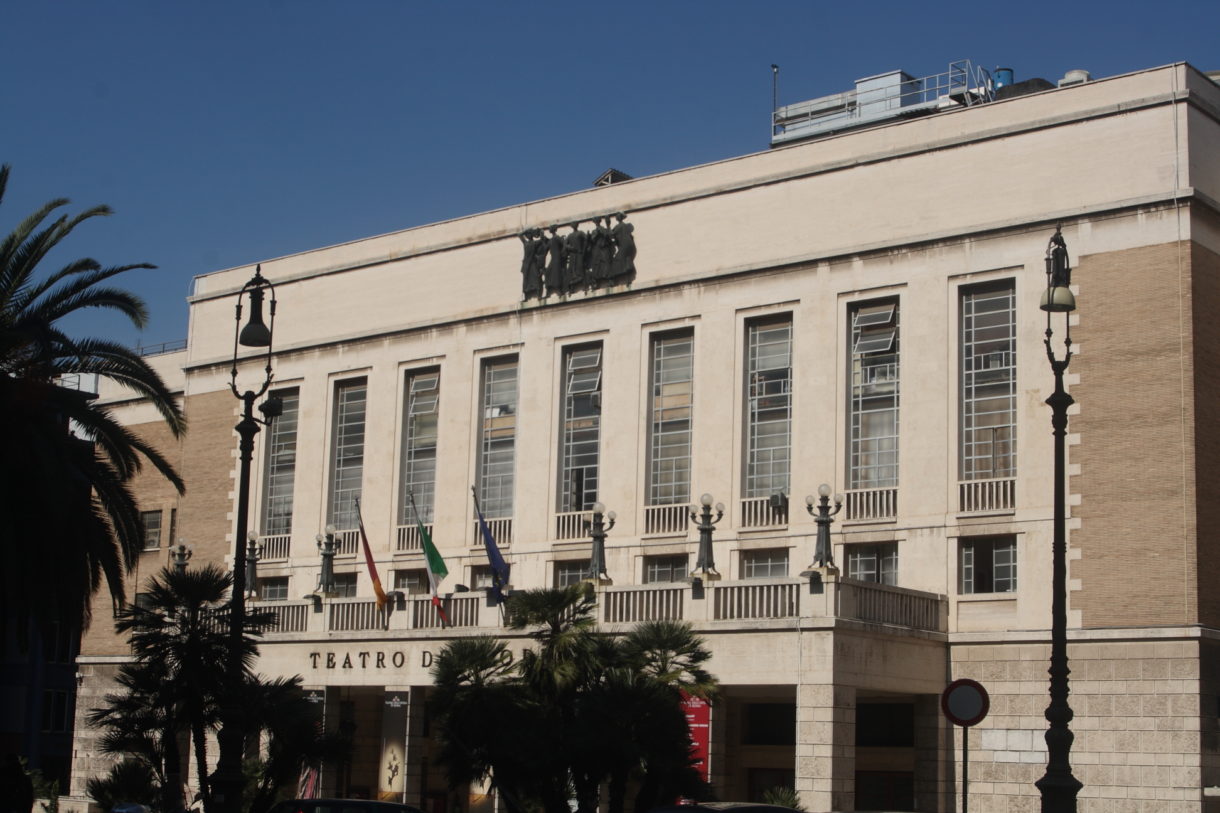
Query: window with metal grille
[
  {"x": 770, "y": 563},
  {"x": 660, "y": 569},
  {"x": 412, "y": 582},
  {"x": 873, "y": 563},
  {"x": 498, "y": 436},
  {"x": 768, "y": 406},
  {"x": 347, "y": 452},
  {"x": 345, "y": 585},
  {"x": 569, "y": 573},
  {"x": 151, "y": 520},
  {"x": 988, "y": 381},
  {"x": 281, "y": 465},
  {"x": 987, "y": 564},
  {"x": 273, "y": 588},
  {"x": 421, "y": 394},
  {"x": 669, "y": 447},
  {"x": 873, "y": 389},
  {"x": 580, "y": 437}
]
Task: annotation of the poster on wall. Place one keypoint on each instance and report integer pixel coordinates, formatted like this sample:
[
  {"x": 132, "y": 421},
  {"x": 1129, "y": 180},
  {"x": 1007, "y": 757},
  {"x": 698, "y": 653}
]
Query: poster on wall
[
  {"x": 391, "y": 782},
  {"x": 698, "y": 721}
]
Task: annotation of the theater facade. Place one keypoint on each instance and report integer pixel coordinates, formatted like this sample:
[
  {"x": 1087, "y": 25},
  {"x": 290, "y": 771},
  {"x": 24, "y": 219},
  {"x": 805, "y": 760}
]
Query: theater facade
[{"x": 860, "y": 309}]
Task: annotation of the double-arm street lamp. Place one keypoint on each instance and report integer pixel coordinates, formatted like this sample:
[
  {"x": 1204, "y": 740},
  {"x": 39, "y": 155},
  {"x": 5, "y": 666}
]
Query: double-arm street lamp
[
  {"x": 1058, "y": 786},
  {"x": 227, "y": 781},
  {"x": 705, "y": 562}
]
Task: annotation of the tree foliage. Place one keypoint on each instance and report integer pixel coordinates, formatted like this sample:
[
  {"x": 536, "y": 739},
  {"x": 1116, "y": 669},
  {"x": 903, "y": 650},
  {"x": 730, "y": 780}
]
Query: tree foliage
[
  {"x": 66, "y": 497},
  {"x": 579, "y": 710},
  {"x": 174, "y": 688}
]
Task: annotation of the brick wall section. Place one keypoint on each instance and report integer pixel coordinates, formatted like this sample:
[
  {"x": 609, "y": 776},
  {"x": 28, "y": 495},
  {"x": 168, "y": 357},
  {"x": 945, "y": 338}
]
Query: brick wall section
[
  {"x": 1205, "y": 281},
  {"x": 205, "y": 458},
  {"x": 1137, "y": 725},
  {"x": 1136, "y": 451}
]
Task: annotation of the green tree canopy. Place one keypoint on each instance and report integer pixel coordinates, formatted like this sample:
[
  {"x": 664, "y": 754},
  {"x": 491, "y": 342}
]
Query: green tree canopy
[{"x": 580, "y": 709}]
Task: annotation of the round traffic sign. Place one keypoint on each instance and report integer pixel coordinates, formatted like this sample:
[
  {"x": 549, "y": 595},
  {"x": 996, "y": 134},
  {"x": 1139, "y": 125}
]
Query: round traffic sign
[{"x": 965, "y": 702}]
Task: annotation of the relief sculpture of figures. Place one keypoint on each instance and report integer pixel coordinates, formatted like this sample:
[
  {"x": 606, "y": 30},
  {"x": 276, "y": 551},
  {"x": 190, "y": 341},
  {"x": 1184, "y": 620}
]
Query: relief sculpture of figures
[
  {"x": 601, "y": 257},
  {"x": 554, "y": 266},
  {"x": 574, "y": 249},
  {"x": 601, "y": 251},
  {"x": 531, "y": 262},
  {"x": 622, "y": 268}
]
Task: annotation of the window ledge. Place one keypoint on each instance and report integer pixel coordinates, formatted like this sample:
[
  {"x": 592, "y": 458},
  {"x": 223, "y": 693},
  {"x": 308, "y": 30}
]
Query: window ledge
[{"x": 966, "y": 598}]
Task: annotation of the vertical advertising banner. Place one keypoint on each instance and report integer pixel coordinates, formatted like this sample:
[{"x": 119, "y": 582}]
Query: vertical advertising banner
[
  {"x": 698, "y": 721},
  {"x": 392, "y": 772}
]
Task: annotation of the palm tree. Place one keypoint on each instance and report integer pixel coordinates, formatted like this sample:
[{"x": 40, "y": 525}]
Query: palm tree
[
  {"x": 72, "y": 519},
  {"x": 181, "y": 633},
  {"x": 142, "y": 724},
  {"x": 294, "y": 736}
]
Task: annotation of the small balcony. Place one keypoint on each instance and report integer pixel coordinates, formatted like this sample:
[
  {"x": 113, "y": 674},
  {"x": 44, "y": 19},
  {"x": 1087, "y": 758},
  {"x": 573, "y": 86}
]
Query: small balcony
[
  {"x": 669, "y": 520},
  {"x": 987, "y": 496},
  {"x": 275, "y": 546},
  {"x": 501, "y": 530},
  {"x": 347, "y": 542},
  {"x": 764, "y": 512},
  {"x": 408, "y": 538},
  {"x": 572, "y": 525},
  {"x": 870, "y": 504}
]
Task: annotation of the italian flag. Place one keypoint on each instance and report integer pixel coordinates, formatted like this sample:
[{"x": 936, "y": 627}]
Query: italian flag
[{"x": 436, "y": 568}]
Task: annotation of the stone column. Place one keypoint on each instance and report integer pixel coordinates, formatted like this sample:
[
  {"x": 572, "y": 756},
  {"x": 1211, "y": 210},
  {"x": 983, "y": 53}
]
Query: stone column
[
  {"x": 826, "y": 729},
  {"x": 414, "y": 747}
]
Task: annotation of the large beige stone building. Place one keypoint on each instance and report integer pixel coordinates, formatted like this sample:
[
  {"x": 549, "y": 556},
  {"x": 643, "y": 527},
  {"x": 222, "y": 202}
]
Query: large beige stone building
[{"x": 857, "y": 306}]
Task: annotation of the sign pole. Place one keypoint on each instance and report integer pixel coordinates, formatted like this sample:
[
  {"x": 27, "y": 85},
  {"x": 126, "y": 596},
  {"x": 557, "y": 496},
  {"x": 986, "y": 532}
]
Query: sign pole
[{"x": 965, "y": 703}]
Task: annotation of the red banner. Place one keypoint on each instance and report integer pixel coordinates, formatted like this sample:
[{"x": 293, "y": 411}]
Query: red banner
[{"x": 698, "y": 721}]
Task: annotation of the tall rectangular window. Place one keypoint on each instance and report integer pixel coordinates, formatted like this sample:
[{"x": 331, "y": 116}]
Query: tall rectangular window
[
  {"x": 347, "y": 451},
  {"x": 669, "y": 447},
  {"x": 988, "y": 382},
  {"x": 419, "y": 431},
  {"x": 769, "y": 406},
  {"x": 281, "y": 465},
  {"x": 987, "y": 564},
  {"x": 581, "y": 431},
  {"x": 873, "y": 390},
  {"x": 498, "y": 436},
  {"x": 151, "y": 520}
]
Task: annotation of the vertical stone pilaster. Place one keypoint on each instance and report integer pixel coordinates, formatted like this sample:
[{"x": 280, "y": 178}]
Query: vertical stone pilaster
[
  {"x": 933, "y": 750},
  {"x": 415, "y": 743},
  {"x": 826, "y": 730}
]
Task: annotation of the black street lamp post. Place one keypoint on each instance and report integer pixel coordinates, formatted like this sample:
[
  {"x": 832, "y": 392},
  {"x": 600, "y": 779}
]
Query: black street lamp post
[
  {"x": 705, "y": 563},
  {"x": 326, "y": 549},
  {"x": 598, "y": 528},
  {"x": 823, "y": 551},
  {"x": 227, "y": 781},
  {"x": 1058, "y": 786}
]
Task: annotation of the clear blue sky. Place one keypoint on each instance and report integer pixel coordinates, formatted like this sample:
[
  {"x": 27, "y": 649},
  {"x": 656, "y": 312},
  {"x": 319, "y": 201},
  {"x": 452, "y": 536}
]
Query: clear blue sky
[{"x": 227, "y": 132}]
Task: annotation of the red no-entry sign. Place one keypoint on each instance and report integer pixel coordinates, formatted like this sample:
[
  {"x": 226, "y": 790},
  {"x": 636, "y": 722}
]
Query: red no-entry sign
[{"x": 965, "y": 702}]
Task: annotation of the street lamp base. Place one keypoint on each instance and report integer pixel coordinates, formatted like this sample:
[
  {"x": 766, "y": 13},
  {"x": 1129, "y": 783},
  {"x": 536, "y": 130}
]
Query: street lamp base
[{"x": 1059, "y": 791}]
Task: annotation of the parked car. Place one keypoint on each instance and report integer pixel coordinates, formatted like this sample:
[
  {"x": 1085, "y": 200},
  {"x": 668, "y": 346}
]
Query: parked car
[
  {"x": 341, "y": 806},
  {"x": 722, "y": 807}
]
